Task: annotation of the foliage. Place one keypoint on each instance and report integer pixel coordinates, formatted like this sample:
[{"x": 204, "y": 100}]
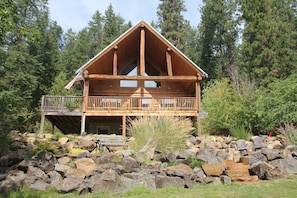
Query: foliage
[
  {"x": 195, "y": 162},
  {"x": 47, "y": 145},
  {"x": 76, "y": 151},
  {"x": 276, "y": 105},
  {"x": 172, "y": 23},
  {"x": 169, "y": 132},
  {"x": 269, "y": 39},
  {"x": 226, "y": 108},
  {"x": 240, "y": 133},
  {"x": 290, "y": 132},
  {"x": 218, "y": 34}
]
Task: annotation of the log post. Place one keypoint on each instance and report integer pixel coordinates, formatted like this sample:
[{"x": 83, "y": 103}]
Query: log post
[
  {"x": 169, "y": 62},
  {"x": 142, "y": 51},
  {"x": 85, "y": 102},
  {"x": 115, "y": 61},
  {"x": 42, "y": 116},
  {"x": 124, "y": 126}
]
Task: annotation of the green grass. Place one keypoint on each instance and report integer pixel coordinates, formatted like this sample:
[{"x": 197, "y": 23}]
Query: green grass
[{"x": 262, "y": 189}]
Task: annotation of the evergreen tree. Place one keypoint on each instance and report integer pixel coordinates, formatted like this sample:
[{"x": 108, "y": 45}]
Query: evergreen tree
[
  {"x": 171, "y": 22},
  {"x": 218, "y": 35},
  {"x": 114, "y": 26},
  {"x": 269, "y": 39},
  {"x": 96, "y": 33}
]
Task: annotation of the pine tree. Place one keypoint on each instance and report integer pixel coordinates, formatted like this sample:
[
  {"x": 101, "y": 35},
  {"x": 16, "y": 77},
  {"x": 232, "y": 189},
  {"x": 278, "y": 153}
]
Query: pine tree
[
  {"x": 114, "y": 26},
  {"x": 218, "y": 35},
  {"x": 171, "y": 22},
  {"x": 269, "y": 39}
]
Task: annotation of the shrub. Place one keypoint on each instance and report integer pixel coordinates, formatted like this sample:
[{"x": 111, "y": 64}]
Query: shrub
[
  {"x": 276, "y": 105},
  {"x": 227, "y": 108},
  {"x": 46, "y": 146},
  {"x": 290, "y": 132},
  {"x": 240, "y": 133},
  {"x": 169, "y": 132},
  {"x": 195, "y": 162}
]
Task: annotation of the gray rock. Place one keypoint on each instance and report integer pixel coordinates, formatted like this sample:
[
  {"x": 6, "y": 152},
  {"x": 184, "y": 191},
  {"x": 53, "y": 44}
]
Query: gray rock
[
  {"x": 225, "y": 179},
  {"x": 130, "y": 164},
  {"x": 39, "y": 184},
  {"x": 109, "y": 181},
  {"x": 271, "y": 154},
  {"x": 46, "y": 161},
  {"x": 169, "y": 182},
  {"x": 132, "y": 180},
  {"x": 290, "y": 165},
  {"x": 55, "y": 180},
  {"x": 267, "y": 171},
  {"x": 70, "y": 184},
  {"x": 75, "y": 173},
  {"x": 38, "y": 173},
  {"x": 62, "y": 169}
]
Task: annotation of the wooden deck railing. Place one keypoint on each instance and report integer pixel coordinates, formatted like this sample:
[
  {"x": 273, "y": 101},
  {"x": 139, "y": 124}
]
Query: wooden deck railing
[
  {"x": 97, "y": 103},
  {"x": 61, "y": 103}
]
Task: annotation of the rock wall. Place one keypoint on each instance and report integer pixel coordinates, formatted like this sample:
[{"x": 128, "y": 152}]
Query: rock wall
[{"x": 82, "y": 166}]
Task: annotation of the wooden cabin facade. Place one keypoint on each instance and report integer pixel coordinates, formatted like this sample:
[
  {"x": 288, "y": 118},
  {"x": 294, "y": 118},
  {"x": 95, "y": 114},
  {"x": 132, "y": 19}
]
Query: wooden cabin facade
[{"x": 139, "y": 74}]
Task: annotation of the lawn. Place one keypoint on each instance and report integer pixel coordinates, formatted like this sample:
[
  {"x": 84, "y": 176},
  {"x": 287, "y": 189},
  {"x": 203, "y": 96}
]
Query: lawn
[{"x": 265, "y": 189}]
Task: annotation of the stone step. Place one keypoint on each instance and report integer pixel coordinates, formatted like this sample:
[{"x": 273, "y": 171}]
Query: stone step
[{"x": 213, "y": 169}]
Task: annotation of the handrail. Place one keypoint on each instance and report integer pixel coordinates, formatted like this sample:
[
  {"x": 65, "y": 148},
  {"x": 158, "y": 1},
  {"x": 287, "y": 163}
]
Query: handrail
[{"x": 110, "y": 103}]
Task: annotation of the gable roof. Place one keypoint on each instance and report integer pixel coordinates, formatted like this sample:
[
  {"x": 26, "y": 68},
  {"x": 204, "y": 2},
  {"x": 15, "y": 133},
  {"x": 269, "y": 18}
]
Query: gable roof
[{"x": 128, "y": 49}]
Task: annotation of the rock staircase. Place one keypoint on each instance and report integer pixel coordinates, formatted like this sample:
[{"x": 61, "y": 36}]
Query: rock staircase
[{"x": 239, "y": 172}]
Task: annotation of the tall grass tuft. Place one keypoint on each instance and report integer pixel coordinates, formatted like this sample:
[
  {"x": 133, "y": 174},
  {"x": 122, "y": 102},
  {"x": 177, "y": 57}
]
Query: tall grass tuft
[
  {"x": 169, "y": 132},
  {"x": 240, "y": 133}
]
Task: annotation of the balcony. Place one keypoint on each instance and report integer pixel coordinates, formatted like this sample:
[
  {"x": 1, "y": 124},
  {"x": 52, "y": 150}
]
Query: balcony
[{"x": 106, "y": 105}]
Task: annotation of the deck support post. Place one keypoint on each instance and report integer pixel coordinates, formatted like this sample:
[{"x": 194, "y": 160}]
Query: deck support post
[
  {"x": 198, "y": 95},
  {"x": 42, "y": 123},
  {"x": 83, "y": 124},
  {"x": 124, "y": 126}
]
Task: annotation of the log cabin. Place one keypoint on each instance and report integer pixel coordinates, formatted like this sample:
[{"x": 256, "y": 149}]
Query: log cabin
[{"x": 139, "y": 74}]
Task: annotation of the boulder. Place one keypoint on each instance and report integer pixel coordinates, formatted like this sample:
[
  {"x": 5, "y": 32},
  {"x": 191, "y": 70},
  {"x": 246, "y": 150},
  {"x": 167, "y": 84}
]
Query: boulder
[
  {"x": 39, "y": 184},
  {"x": 168, "y": 182},
  {"x": 133, "y": 180},
  {"x": 70, "y": 184},
  {"x": 86, "y": 164},
  {"x": 147, "y": 152},
  {"x": 64, "y": 160},
  {"x": 75, "y": 173},
  {"x": 63, "y": 140},
  {"x": 109, "y": 180},
  {"x": 38, "y": 173},
  {"x": 267, "y": 171},
  {"x": 225, "y": 179},
  {"x": 86, "y": 143},
  {"x": 55, "y": 180},
  {"x": 46, "y": 161},
  {"x": 271, "y": 154},
  {"x": 62, "y": 169},
  {"x": 130, "y": 164},
  {"x": 180, "y": 170}
]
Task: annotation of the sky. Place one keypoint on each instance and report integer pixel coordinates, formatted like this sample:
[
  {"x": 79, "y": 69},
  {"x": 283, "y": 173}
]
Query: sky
[{"x": 76, "y": 14}]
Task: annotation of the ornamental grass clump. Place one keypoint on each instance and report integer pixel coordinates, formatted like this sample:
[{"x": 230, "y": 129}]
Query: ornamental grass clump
[
  {"x": 169, "y": 132},
  {"x": 290, "y": 132}
]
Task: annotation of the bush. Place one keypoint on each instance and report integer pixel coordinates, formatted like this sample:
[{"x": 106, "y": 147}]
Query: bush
[
  {"x": 46, "y": 146},
  {"x": 290, "y": 132},
  {"x": 240, "y": 133},
  {"x": 227, "y": 108},
  {"x": 276, "y": 105},
  {"x": 169, "y": 132}
]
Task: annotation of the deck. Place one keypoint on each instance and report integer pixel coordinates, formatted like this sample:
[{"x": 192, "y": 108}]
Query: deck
[{"x": 118, "y": 105}]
